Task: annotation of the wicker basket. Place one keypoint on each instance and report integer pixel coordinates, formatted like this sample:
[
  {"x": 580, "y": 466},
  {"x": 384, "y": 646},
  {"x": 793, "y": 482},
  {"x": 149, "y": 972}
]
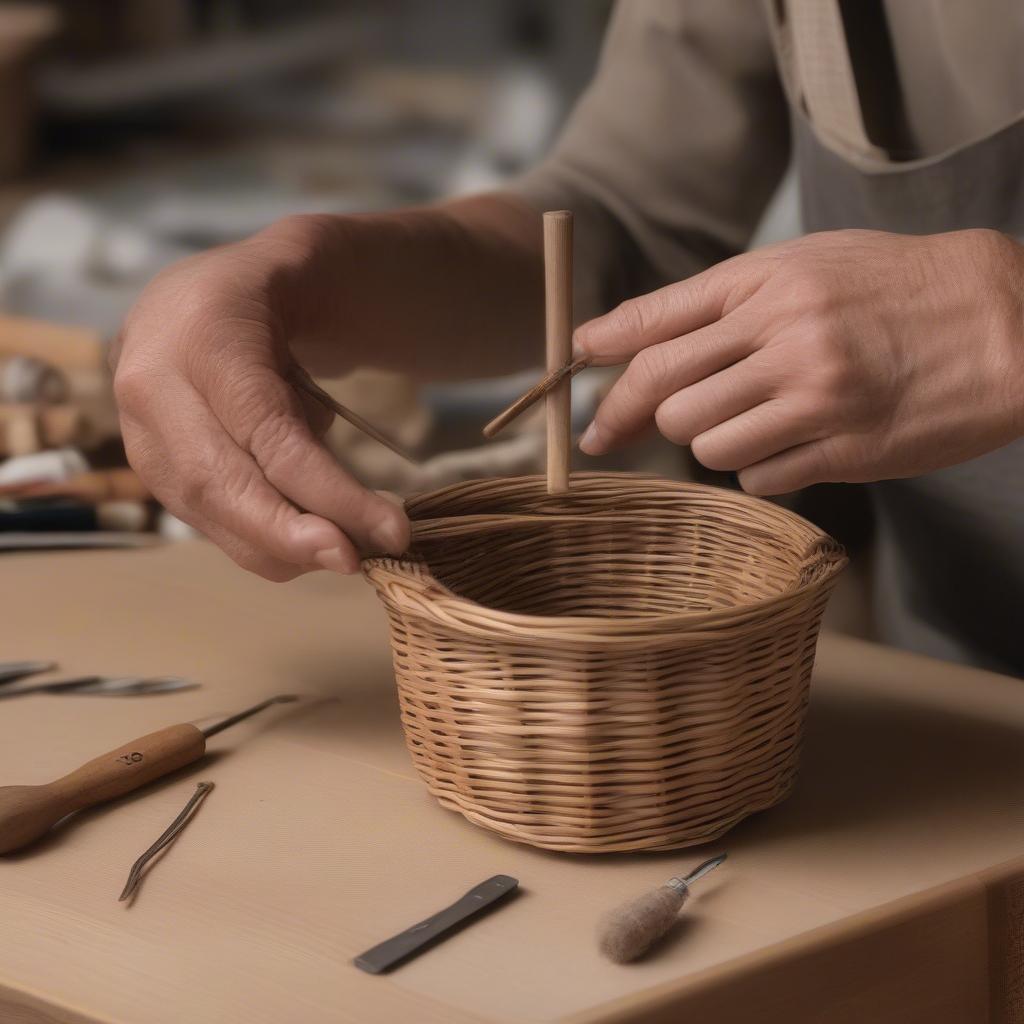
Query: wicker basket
[{"x": 623, "y": 667}]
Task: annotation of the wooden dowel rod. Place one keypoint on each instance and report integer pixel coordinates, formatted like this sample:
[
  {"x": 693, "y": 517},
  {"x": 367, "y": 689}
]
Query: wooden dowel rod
[
  {"x": 534, "y": 395},
  {"x": 304, "y": 382},
  {"x": 558, "y": 335}
]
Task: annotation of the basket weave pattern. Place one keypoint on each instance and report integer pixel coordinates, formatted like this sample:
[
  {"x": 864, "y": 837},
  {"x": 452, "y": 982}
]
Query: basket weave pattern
[{"x": 623, "y": 667}]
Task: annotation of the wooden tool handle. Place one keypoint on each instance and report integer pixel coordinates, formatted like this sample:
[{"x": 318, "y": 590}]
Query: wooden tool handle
[
  {"x": 558, "y": 322},
  {"x": 28, "y": 812}
]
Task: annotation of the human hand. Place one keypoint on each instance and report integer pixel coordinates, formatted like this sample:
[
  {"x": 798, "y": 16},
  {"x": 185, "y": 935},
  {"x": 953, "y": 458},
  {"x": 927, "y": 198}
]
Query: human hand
[
  {"x": 212, "y": 426},
  {"x": 843, "y": 356}
]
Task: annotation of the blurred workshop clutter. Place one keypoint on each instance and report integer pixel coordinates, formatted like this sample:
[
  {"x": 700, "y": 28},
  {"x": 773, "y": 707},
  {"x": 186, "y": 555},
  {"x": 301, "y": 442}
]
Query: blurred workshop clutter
[{"x": 137, "y": 132}]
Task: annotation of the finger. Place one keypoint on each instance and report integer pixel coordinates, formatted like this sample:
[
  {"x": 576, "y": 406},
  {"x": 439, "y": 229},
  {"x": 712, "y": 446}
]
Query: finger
[
  {"x": 202, "y": 477},
  {"x": 674, "y": 310},
  {"x": 716, "y": 400},
  {"x": 250, "y": 558},
  {"x": 263, "y": 415},
  {"x": 655, "y": 374},
  {"x": 798, "y": 467},
  {"x": 756, "y": 434}
]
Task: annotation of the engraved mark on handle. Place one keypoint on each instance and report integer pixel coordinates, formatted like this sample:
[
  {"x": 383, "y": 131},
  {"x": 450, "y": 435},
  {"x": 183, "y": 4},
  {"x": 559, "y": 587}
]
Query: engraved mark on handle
[{"x": 133, "y": 758}]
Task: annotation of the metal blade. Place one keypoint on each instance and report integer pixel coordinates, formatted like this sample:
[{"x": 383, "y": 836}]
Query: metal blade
[
  {"x": 10, "y": 671},
  {"x": 60, "y": 686},
  {"x": 130, "y": 686},
  {"x": 212, "y": 730},
  {"x": 703, "y": 869}
]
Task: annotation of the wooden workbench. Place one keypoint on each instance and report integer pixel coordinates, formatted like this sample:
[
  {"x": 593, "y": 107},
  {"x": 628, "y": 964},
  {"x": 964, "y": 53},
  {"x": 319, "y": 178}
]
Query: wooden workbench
[{"x": 887, "y": 889}]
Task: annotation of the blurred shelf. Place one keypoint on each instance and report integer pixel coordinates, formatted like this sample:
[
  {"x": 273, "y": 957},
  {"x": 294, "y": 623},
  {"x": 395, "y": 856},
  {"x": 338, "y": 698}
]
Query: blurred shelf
[{"x": 203, "y": 67}]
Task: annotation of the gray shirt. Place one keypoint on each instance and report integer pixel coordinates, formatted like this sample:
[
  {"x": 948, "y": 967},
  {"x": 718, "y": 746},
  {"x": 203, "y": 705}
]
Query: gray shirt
[{"x": 908, "y": 116}]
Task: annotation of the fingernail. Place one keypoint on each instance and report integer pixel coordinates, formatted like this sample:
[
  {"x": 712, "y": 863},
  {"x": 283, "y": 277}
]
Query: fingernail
[
  {"x": 590, "y": 442},
  {"x": 389, "y": 535},
  {"x": 336, "y": 560}
]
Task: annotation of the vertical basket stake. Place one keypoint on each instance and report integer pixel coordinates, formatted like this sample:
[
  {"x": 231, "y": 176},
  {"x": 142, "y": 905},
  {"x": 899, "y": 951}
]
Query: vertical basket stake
[{"x": 558, "y": 336}]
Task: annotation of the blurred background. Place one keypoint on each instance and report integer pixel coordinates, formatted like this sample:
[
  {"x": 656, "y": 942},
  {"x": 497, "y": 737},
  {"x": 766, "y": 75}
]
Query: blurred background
[{"x": 139, "y": 131}]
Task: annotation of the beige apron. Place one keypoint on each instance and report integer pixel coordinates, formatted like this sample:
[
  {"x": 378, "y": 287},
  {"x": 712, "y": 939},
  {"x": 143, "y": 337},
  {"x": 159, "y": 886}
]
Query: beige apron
[{"x": 949, "y": 577}]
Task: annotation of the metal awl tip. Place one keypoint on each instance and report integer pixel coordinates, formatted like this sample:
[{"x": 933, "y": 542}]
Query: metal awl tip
[
  {"x": 701, "y": 870},
  {"x": 284, "y": 698}
]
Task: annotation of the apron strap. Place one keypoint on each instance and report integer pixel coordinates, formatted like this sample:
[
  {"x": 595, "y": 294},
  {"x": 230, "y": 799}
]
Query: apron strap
[{"x": 812, "y": 44}]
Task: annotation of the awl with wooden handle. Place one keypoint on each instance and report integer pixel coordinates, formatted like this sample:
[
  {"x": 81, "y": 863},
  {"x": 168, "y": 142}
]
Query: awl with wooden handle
[{"x": 29, "y": 812}]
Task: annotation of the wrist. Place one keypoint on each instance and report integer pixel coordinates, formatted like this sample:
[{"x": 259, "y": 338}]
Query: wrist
[
  {"x": 332, "y": 282},
  {"x": 404, "y": 289},
  {"x": 296, "y": 260},
  {"x": 1010, "y": 274}
]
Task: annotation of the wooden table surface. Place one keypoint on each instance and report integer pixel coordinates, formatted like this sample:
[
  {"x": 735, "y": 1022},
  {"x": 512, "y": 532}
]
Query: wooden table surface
[{"x": 887, "y": 889}]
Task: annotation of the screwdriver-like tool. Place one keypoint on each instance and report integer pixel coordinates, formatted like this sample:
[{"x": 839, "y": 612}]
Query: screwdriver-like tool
[{"x": 29, "y": 812}]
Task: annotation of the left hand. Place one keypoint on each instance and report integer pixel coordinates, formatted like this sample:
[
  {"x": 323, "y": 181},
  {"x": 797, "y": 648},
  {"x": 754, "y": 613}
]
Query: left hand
[{"x": 843, "y": 356}]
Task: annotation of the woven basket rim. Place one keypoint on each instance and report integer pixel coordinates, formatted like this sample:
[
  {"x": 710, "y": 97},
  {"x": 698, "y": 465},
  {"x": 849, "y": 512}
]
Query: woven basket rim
[{"x": 409, "y": 582}]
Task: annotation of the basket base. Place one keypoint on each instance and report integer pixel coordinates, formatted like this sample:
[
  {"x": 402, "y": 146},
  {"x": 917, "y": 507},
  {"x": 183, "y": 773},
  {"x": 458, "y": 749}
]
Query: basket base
[{"x": 648, "y": 844}]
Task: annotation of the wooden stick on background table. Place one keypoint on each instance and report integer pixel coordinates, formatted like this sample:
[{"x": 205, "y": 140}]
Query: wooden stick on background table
[{"x": 558, "y": 334}]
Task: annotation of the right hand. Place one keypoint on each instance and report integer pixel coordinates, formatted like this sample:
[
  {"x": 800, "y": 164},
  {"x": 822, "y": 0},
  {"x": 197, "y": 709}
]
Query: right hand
[{"x": 211, "y": 424}]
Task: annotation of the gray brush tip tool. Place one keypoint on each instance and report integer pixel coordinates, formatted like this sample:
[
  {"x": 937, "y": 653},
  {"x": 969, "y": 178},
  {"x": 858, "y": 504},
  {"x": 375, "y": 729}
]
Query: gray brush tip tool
[{"x": 628, "y": 931}]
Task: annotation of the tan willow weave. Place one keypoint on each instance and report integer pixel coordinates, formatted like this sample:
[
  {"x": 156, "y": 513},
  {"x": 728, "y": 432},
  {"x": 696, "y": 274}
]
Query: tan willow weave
[{"x": 624, "y": 667}]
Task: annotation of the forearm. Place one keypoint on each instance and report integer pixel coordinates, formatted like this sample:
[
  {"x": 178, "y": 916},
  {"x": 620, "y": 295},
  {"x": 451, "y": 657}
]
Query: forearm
[{"x": 444, "y": 291}]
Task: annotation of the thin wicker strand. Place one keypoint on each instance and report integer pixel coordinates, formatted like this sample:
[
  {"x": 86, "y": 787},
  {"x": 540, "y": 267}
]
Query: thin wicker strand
[
  {"x": 302, "y": 380},
  {"x": 170, "y": 834},
  {"x": 530, "y": 398}
]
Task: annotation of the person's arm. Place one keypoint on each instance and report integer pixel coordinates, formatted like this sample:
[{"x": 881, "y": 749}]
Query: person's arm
[
  {"x": 848, "y": 356},
  {"x": 673, "y": 152},
  {"x": 667, "y": 164},
  {"x": 440, "y": 292},
  {"x": 844, "y": 356}
]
